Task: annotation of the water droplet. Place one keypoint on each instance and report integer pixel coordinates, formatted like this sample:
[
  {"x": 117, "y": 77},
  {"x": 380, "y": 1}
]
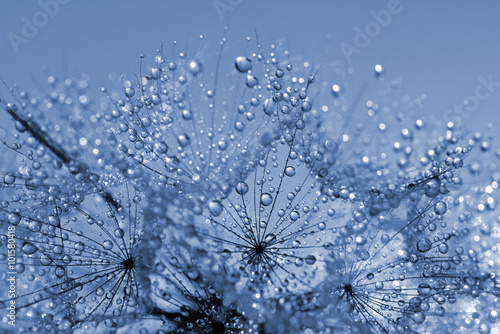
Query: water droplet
[
  {"x": 129, "y": 92},
  {"x": 60, "y": 271},
  {"x": 379, "y": 285},
  {"x": 243, "y": 64},
  {"x": 310, "y": 259},
  {"x": 242, "y": 188},
  {"x": 252, "y": 81},
  {"x": 14, "y": 218},
  {"x": 270, "y": 239},
  {"x": 54, "y": 220},
  {"x": 266, "y": 199},
  {"x": 119, "y": 233},
  {"x": 424, "y": 289},
  {"x": 107, "y": 244},
  {"x": 215, "y": 208},
  {"x": 29, "y": 248},
  {"x": 195, "y": 67},
  {"x": 424, "y": 245},
  {"x": 9, "y": 179},
  {"x": 440, "y": 208},
  {"x": 187, "y": 114},
  {"x": 183, "y": 140},
  {"x": 289, "y": 171}
]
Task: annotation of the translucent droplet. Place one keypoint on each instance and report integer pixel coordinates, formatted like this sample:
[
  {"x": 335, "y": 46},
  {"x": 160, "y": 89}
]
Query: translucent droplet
[
  {"x": 252, "y": 81},
  {"x": 242, "y": 188},
  {"x": 183, "y": 140},
  {"x": 14, "y": 218},
  {"x": 9, "y": 179},
  {"x": 107, "y": 244},
  {"x": 195, "y": 67},
  {"x": 129, "y": 92},
  {"x": 424, "y": 245},
  {"x": 440, "y": 208},
  {"x": 270, "y": 239},
  {"x": 29, "y": 248},
  {"x": 215, "y": 208},
  {"x": 266, "y": 199},
  {"x": 310, "y": 259},
  {"x": 295, "y": 215},
  {"x": 289, "y": 171},
  {"x": 187, "y": 114},
  {"x": 119, "y": 233},
  {"x": 60, "y": 272},
  {"x": 243, "y": 64},
  {"x": 424, "y": 289}
]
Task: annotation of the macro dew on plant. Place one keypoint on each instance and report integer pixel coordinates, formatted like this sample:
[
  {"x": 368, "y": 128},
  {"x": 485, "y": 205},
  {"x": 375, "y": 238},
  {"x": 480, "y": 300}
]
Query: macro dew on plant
[{"x": 244, "y": 194}]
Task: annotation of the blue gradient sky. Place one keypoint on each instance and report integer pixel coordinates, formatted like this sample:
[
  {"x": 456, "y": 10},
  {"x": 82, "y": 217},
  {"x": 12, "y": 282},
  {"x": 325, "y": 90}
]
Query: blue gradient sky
[{"x": 438, "y": 47}]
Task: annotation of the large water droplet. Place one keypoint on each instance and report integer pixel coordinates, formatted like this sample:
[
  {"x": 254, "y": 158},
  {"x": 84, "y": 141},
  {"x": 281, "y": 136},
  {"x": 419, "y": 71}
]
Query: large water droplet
[
  {"x": 243, "y": 64},
  {"x": 242, "y": 188},
  {"x": 184, "y": 140},
  {"x": 195, "y": 67},
  {"x": 215, "y": 208},
  {"x": 9, "y": 179},
  {"x": 290, "y": 171},
  {"x": 424, "y": 289},
  {"x": 252, "y": 81},
  {"x": 60, "y": 271},
  {"x": 107, "y": 244},
  {"x": 14, "y": 218},
  {"x": 29, "y": 248},
  {"x": 424, "y": 245},
  {"x": 440, "y": 208},
  {"x": 266, "y": 199}
]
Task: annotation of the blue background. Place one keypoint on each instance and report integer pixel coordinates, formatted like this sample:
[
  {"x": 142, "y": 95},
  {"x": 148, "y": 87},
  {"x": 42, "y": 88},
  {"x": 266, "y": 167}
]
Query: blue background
[{"x": 438, "y": 47}]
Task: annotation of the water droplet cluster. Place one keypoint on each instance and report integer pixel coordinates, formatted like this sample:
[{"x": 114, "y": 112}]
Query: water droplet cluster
[{"x": 250, "y": 194}]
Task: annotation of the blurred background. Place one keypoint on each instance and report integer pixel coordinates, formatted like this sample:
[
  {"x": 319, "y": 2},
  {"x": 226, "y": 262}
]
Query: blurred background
[{"x": 448, "y": 49}]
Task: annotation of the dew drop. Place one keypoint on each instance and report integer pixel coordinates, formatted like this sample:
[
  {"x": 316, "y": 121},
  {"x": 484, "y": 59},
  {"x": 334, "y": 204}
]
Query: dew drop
[
  {"x": 183, "y": 140},
  {"x": 252, "y": 81},
  {"x": 424, "y": 245},
  {"x": 14, "y": 218},
  {"x": 290, "y": 171},
  {"x": 195, "y": 67},
  {"x": 440, "y": 208},
  {"x": 266, "y": 199},
  {"x": 215, "y": 208},
  {"x": 424, "y": 289},
  {"x": 243, "y": 64},
  {"x": 119, "y": 233},
  {"x": 310, "y": 260},
  {"x": 60, "y": 271},
  {"x": 107, "y": 244},
  {"x": 9, "y": 179},
  {"x": 242, "y": 188},
  {"x": 29, "y": 248}
]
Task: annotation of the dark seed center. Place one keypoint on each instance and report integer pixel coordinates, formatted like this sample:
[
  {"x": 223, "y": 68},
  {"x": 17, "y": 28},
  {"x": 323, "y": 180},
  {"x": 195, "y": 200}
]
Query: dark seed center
[
  {"x": 128, "y": 264},
  {"x": 259, "y": 249}
]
